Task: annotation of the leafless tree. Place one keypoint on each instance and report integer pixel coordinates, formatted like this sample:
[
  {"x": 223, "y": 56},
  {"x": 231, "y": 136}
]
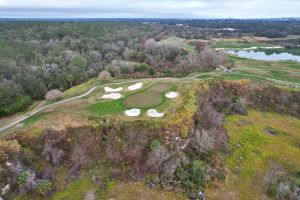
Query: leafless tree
[
  {"x": 104, "y": 76},
  {"x": 53, "y": 94},
  {"x": 204, "y": 140}
]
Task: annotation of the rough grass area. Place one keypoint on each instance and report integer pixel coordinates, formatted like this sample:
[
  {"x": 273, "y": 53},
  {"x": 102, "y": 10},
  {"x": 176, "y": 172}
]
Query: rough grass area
[
  {"x": 150, "y": 97},
  {"x": 253, "y": 148},
  {"x": 283, "y": 73},
  {"x": 108, "y": 107},
  {"x": 130, "y": 191},
  {"x": 76, "y": 190},
  {"x": 178, "y": 42}
]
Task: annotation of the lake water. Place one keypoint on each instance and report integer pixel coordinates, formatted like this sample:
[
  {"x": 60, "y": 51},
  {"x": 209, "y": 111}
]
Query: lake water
[{"x": 260, "y": 55}]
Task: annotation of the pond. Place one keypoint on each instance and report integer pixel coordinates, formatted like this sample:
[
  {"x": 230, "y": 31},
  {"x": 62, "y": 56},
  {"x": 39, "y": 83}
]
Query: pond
[{"x": 260, "y": 55}]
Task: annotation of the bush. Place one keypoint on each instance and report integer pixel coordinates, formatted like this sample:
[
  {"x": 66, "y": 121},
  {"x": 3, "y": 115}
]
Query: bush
[
  {"x": 154, "y": 144},
  {"x": 53, "y": 94},
  {"x": 12, "y": 98},
  {"x": 140, "y": 68},
  {"x": 22, "y": 179},
  {"x": 197, "y": 172},
  {"x": 192, "y": 178},
  {"x": 44, "y": 187},
  {"x": 151, "y": 71},
  {"x": 104, "y": 75}
]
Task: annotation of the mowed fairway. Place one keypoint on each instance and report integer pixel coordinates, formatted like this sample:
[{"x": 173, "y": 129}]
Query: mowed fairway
[
  {"x": 108, "y": 107},
  {"x": 149, "y": 97}
]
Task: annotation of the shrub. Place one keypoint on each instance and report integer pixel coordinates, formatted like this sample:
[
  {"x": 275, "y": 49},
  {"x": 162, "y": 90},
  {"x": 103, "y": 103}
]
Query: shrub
[
  {"x": 192, "y": 178},
  {"x": 22, "y": 179},
  {"x": 298, "y": 174},
  {"x": 154, "y": 144},
  {"x": 197, "y": 172},
  {"x": 151, "y": 71},
  {"x": 44, "y": 187},
  {"x": 104, "y": 76},
  {"x": 53, "y": 94},
  {"x": 140, "y": 68}
]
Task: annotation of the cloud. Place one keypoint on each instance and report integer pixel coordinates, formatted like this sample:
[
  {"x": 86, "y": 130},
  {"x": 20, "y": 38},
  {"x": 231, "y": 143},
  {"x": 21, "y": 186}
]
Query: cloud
[{"x": 151, "y": 9}]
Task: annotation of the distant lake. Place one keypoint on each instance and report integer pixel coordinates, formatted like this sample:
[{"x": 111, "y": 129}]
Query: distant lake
[{"x": 260, "y": 55}]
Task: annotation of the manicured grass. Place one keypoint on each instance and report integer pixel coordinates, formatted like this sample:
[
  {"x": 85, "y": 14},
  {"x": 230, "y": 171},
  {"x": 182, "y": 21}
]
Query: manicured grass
[
  {"x": 80, "y": 89},
  {"x": 150, "y": 97},
  {"x": 282, "y": 71},
  {"x": 238, "y": 76},
  {"x": 108, "y": 107},
  {"x": 239, "y": 45},
  {"x": 252, "y": 149},
  {"x": 190, "y": 48},
  {"x": 205, "y": 76}
]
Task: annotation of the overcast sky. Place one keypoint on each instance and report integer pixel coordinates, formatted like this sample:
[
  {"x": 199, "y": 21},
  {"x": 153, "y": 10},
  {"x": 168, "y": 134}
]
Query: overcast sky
[{"x": 149, "y": 8}]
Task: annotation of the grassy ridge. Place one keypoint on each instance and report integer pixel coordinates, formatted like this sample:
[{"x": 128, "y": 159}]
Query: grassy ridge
[{"x": 253, "y": 148}]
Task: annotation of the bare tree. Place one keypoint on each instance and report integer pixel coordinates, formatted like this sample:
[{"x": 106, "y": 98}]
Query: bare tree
[
  {"x": 204, "y": 140},
  {"x": 104, "y": 76},
  {"x": 53, "y": 94}
]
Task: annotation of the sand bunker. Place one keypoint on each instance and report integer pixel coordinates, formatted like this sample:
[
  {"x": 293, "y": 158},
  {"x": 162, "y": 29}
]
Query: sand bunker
[
  {"x": 135, "y": 86},
  {"x": 108, "y": 89},
  {"x": 112, "y": 96},
  {"x": 133, "y": 112},
  {"x": 171, "y": 95},
  {"x": 154, "y": 113}
]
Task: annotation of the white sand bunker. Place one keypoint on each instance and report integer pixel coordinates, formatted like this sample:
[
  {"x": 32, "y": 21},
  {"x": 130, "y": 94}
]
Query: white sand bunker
[
  {"x": 112, "y": 96},
  {"x": 154, "y": 113},
  {"x": 171, "y": 95},
  {"x": 108, "y": 89},
  {"x": 135, "y": 86},
  {"x": 133, "y": 112}
]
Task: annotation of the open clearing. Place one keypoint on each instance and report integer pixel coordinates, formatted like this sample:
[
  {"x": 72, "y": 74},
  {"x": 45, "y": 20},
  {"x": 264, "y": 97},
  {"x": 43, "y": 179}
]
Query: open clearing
[
  {"x": 149, "y": 97},
  {"x": 254, "y": 151}
]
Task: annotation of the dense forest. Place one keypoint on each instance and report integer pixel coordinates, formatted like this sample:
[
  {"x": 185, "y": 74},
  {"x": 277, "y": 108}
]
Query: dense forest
[
  {"x": 38, "y": 56},
  {"x": 272, "y": 28}
]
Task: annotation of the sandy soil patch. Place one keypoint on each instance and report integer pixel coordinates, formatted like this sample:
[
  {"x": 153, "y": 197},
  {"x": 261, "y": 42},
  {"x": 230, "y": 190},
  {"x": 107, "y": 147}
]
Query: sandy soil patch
[
  {"x": 171, "y": 95},
  {"x": 112, "y": 96},
  {"x": 133, "y": 112},
  {"x": 108, "y": 89},
  {"x": 154, "y": 113},
  {"x": 135, "y": 86}
]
